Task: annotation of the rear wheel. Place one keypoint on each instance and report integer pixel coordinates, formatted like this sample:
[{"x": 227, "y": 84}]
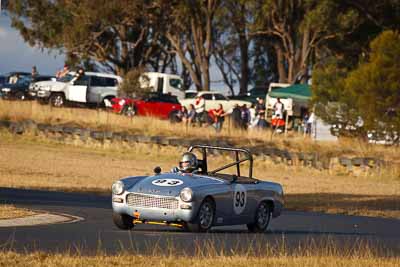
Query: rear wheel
[
  {"x": 123, "y": 221},
  {"x": 205, "y": 217},
  {"x": 129, "y": 110},
  {"x": 57, "y": 100},
  {"x": 261, "y": 218},
  {"x": 173, "y": 118},
  {"x": 107, "y": 102},
  {"x": 20, "y": 96}
]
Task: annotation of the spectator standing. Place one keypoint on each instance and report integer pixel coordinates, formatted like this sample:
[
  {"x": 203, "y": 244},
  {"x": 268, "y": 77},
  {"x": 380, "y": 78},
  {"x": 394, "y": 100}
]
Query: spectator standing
[
  {"x": 200, "y": 104},
  {"x": 14, "y": 79},
  {"x": 279, "y": 108},
  {"x": 253, "y": 116},
  {"x": 310, "y": 123},
  {"x": 218, "y": 115},
  {"x": 260, "y": 106},
  {"x": 34, "y": 73},
  {"x": 304, "y": 123},
  {"x": 63, "y": 72},
  {"x": 236, "y": 118},
  {"x": 78, "y": 75},
  {"x": 245, "y": 116},
  {"x": 262, "y": 123}
]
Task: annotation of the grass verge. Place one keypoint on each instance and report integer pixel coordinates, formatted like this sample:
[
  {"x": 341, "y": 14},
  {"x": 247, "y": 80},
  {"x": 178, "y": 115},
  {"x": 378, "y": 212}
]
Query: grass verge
[
  {"x": 98, "y": 119},
  {"x": 330, "y": 255}
]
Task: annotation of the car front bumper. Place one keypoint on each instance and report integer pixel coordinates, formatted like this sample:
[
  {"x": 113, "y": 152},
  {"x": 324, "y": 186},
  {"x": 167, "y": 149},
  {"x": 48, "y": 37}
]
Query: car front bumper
[
  {"x": 184, "y": 211},
  {"x": 43, "y": 94}
]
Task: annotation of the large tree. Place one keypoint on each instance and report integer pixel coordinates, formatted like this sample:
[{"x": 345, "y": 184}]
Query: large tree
[
  {"x": 232, "y": 44},
  {"x": 296, "y": 28},
  {"x": 375, "y": 84},
  {"x": 371, "y": 90},
  {"x": 117, "y": 34},
  {"x": 188, "y": 25}
]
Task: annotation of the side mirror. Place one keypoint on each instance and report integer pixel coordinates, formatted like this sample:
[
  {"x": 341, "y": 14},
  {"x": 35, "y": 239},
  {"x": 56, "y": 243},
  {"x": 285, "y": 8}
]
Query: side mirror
[{"x": 157, "y": 170}]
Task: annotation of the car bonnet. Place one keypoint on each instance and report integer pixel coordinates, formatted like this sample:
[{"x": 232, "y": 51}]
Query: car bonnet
[{"x": 171, "y": 184}]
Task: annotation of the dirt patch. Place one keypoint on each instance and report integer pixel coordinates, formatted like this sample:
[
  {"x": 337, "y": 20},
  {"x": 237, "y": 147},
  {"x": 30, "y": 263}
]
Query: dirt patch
[{"x": 12, "y": 212}]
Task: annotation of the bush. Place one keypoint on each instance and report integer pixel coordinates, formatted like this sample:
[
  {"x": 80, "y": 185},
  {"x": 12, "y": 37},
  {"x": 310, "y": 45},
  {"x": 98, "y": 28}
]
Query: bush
[{"x": 135, "y": 84}]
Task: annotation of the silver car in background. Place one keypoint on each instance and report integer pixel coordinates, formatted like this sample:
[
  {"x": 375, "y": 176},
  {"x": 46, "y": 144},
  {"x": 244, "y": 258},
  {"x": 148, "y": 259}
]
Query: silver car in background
[{"x": 198, "y": 201}]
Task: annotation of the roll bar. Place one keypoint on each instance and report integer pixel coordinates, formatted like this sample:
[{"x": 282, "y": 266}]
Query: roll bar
[{"x": 247, "y": 153}]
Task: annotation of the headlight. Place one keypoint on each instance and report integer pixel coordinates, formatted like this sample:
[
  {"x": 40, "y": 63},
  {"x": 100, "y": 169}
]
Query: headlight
[
  {"x": 6, "y": 89},
  {"x": 45, "y": 88},
  {"x": 186, "y": 194},
  {"x": 118, "y": 188}
]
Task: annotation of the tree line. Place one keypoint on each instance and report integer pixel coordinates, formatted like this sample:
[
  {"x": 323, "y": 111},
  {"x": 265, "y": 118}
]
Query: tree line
[{"x": 252, "y": 42}]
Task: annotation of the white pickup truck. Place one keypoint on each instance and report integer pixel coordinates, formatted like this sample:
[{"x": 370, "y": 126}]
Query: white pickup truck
[
  {"x": 213, "y": 99},
  {"x": 163, "y": 83},
  {"x": 93, "y": 88}
]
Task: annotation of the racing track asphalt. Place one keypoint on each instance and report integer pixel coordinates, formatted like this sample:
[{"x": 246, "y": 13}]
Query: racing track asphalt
[{"x": 98, "y": 233}]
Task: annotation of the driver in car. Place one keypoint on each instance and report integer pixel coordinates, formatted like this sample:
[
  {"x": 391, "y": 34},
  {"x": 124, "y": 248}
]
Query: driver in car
[{"x": 188, "y": 164}]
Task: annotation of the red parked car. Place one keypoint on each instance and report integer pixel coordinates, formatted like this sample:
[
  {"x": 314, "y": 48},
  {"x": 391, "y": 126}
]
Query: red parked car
[{"x": 161, "y": 106}]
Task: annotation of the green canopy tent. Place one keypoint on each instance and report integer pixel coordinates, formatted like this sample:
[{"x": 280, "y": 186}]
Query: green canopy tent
[{"x": 298, "y": 92}]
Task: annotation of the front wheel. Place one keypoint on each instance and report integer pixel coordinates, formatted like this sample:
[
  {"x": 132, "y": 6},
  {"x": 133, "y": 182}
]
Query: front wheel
[
  {"x": 20, "y": 96},
  {"x": 261, "y": 219},
  {"x": 204, "y": 219},
  {"x": 123, "y": 221},
  {"x": 57, "y": 100}
]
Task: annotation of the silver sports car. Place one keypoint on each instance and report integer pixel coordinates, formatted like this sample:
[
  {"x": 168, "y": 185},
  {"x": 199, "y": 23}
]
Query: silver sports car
[{"x": 198, "y": 200}]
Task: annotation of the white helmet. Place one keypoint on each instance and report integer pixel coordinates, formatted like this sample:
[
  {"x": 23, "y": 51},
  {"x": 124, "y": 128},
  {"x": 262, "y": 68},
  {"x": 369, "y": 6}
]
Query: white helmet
[{"x": 189, "y": 162}]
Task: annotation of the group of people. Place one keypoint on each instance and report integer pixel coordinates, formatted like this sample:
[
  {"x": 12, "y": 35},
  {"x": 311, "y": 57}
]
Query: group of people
[{"x": 242, "y": 117}]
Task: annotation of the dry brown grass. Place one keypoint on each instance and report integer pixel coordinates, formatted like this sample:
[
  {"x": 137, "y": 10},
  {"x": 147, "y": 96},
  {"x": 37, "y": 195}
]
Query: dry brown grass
[
  {"x": 11, "y": 212},
  {"x": 16, "y": 110},
  {"x": 41, "y": 259},
  {"x": 29, "y": 163}
]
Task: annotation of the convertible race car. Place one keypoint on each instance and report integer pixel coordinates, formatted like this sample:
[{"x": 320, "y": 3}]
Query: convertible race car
[{"x": 201, "y": 199}]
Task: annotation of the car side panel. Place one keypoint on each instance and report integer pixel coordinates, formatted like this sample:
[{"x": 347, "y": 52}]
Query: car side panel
[
  {"x": 98, "y": 93},
  {"x": 222, "y": 195}
]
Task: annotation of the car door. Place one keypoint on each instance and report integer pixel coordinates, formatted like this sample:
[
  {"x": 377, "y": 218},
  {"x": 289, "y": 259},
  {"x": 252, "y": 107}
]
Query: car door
[
  {"x": 243, "y": 202},
  {"x": 94, "y": 89},
  {"x": 152, "y": 107},
  {"x": 221, "y": 99},
  {"x": 77, "y": 90},
  {"x": 209, "y": 102}
]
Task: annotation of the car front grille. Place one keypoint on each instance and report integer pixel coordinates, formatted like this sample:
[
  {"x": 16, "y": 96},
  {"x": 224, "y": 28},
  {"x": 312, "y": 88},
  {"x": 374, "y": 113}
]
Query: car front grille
[{"x": 146, "y": 201}]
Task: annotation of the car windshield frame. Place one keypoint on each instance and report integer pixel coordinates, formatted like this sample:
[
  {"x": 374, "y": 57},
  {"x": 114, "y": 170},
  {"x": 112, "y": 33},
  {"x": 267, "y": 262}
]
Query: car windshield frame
[
  {"x": 66, "y": 79},
  {"x": 176, "y": 83}
]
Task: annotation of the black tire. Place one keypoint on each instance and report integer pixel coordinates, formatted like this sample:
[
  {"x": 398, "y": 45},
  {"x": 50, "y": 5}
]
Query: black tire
[
  {"x": 172, "y": 117},
  {"x": 42, "y": 101},
  {"x": 262, "y": 218},
  {"x": 20, "y": 96},
  {"x": 204, "y": 219},
  {"x": 123, "y": 221},
  {"x": 57, "y": 100}
]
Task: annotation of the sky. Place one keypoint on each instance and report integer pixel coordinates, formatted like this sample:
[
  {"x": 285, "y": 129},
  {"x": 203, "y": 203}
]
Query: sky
[{"x": 16, "y": 55}]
